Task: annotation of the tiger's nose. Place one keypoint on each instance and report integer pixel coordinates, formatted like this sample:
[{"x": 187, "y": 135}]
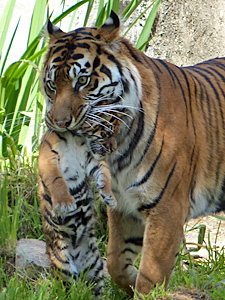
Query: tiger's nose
[{"x": 64, "y": 124}]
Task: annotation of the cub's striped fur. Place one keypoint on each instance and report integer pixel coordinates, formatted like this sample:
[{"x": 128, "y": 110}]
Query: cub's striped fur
[
  {"x": 169, "y": 163},
  {"x": 65, "y": 168}
]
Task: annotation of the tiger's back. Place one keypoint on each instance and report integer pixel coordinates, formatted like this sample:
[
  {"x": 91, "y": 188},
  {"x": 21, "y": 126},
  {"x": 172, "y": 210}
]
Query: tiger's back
[{"x": 169, "y": 162}]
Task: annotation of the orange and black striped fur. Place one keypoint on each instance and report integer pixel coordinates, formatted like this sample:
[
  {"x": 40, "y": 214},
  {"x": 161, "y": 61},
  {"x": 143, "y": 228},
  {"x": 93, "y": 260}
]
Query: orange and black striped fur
[
  {"x": 169, "y": 163},
  {"x": 66, "y": 166}
]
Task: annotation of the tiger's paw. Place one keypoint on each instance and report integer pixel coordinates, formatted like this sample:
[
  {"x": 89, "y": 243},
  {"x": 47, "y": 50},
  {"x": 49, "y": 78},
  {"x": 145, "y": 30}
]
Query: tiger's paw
[
  {"x": 109, "y": 199},
  {"x": 64, "y": 205}
]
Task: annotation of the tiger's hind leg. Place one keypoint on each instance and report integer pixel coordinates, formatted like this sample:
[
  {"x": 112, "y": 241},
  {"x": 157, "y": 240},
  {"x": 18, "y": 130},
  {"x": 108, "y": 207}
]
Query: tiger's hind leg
[
  {"x": 124, "y": 246},
  {"x": 58, "y": 237},
  {"x": 71, "y": 244}
]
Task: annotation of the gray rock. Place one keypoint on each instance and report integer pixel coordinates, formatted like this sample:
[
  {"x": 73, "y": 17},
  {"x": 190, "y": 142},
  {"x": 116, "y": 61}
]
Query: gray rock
[{"x": 31, "y": 257}]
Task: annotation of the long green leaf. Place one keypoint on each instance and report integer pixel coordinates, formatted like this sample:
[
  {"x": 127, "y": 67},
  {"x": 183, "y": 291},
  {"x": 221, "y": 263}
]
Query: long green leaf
[
  {"x": 144, "y": 36},
  {"x": 9, "y": 47},
  {"x": 89, "y": 8},
  {"x": 68, "y": 11},
  {"x": 5, "y": 22},
  {"x": 37, "y": 19},
  {"x": 131, "y": 7}
]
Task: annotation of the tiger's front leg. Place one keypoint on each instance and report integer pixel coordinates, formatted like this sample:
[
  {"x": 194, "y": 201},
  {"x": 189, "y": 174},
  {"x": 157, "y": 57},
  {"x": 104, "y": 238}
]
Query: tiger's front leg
[
  {"x": 124, "y": 246},
  {"x": 162, "y": 237},
  {"x": 52, "y": 184}
]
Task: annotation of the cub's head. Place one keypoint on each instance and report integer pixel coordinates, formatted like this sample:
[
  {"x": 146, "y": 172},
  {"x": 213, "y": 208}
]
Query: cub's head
[{"x": 86, "y": 78}]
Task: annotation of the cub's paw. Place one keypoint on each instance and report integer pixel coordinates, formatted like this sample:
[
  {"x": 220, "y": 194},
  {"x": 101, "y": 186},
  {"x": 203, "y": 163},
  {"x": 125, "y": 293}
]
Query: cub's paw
[
  {"x": 109, "y": 199},
  {"x": 63, "y": 206}
]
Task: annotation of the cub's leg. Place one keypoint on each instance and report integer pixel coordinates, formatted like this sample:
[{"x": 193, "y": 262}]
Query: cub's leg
[
  {"x": 99, "y": 170},
  {"x": 52, "y": 184},
  {"x": 162, "y": 237},
  {"x": 124, "y": 246},
  {"x": 72, "y": 245}
]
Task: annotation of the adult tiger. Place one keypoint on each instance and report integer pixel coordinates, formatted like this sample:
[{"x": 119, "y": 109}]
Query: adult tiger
[{"x": 169, "y": 165}]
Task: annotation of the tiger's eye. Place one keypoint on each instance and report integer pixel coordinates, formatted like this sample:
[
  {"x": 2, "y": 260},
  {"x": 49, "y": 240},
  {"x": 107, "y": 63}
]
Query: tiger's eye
[{"x": 83, "y": 80}]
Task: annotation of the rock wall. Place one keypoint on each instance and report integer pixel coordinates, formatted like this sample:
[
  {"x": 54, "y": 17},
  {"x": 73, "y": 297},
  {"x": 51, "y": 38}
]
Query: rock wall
[{"x": 189, "y": 31}]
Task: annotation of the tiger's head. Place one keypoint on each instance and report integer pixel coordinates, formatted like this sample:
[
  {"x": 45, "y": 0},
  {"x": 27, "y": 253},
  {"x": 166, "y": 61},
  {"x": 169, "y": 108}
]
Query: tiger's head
[{"x": 88, "y": 79}]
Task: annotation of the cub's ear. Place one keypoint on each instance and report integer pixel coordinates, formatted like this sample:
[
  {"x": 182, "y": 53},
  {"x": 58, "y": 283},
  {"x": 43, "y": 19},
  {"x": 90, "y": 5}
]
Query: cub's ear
[
  {"x": 110, "y": 29},
  {"x": 54, "y": 32}
]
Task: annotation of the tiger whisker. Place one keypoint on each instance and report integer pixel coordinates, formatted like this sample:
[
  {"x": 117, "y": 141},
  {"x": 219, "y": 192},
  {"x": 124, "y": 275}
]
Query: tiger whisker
[
  {"x": 88, "y": 124},
  {"x": 100, "y": 124},
  {"x": 118, "y": 118},
  {"x": 102, "y": 110},
  {"x": 97, "y": 117},
  {"x": 105, "y": 98},
  {"x": 129, "y": 106}
]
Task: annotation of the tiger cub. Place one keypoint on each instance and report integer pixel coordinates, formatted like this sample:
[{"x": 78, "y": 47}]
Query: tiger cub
[{"x": 66, "y": 168}]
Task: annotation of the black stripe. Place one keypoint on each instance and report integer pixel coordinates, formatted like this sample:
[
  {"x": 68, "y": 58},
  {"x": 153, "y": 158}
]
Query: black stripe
[
  {"x": 117, "y": 63},
  {"x": 98, "y": 269},
  {"x": 137, "y": 241},
  {"x": 83, "y": 202},
  {"x": 129, "y": 250},
  {"x": 133, "y": 52},
  {"x": 44, "y": 185},
  {"x": 47, "y": 142},
  {"x": 58, "y": 59},
  {"x": 61, "y": 137},
  {"x": 79, "y": 188},
  {"x": 47, "y": 198},
  {"x": 57, "y": 49},
  {"x": 173, "y": 75},
  {"x": 59, "y": 258},
  {"x": 150, "y": 139},
  {"x": 94, "y": 86},
  {"x": 155, "y": 61},
  {"x": 212, "y": 116},
  {"x": 49, "y": 218},
  {"x": 189, "y": 96},
  {"x": 126, "y": 157},
  {"x": 93, "y": 170},
  {"x": 77, "y": 56},
  {"x": 214, "y": 89},
  {"x": 126, "y": 266},
  {"x": 106, "y": 71},
  {"x": 125, "y": 84},
  {"x": 59, "y": 177},
  {"x": 170, "y": 71},
  {"x": 92, "y": 264},
  {"x": 73, "y": 178},
  {"x": 55, "y": 152},
  {"x": 157, "y": 199},
  {"x": 83, "y": 45},
  {"x": 96, "y": 62},
  {"x": 149, "y": 172}
]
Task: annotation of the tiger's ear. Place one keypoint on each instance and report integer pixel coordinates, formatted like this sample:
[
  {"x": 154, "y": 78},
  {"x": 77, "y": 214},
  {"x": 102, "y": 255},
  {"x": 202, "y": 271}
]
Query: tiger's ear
[
  {"x": 110, "y": 29},
  {"x": 54, "y": 32}
]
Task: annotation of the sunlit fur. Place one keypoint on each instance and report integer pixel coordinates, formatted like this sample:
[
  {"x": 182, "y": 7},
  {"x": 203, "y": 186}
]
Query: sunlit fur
[{"x": 169, "y": 163}]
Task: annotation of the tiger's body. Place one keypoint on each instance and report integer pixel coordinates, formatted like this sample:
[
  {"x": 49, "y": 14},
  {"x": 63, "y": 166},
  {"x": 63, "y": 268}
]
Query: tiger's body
[{"x": 169, "y": 163}]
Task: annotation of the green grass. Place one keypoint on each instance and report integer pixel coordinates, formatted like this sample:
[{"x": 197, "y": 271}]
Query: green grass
[{"x": 20, "y": 218}]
